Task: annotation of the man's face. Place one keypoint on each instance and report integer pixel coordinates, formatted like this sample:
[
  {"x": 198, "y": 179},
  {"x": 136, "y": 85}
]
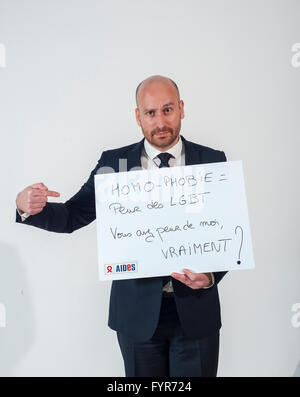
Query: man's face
[{"x": 159, "y": 114}]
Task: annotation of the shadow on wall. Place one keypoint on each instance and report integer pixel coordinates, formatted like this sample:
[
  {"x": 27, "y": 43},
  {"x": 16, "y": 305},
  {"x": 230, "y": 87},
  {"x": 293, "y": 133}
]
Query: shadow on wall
[
  {"x": 17, "y": 321},
  {"x": 297, "y": 371}
]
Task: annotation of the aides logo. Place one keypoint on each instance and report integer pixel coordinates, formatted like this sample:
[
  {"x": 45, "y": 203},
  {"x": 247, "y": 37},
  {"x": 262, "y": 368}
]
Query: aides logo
[{"x": 117, "y": 268}]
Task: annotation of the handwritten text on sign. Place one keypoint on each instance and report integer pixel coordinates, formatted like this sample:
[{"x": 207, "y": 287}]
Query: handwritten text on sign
[{"x": 153, "y": 222}]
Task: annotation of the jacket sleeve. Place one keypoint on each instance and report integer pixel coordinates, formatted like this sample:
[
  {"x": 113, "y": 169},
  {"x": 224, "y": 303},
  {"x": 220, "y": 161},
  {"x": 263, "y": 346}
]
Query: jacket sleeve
[{"x": 75, "y": 213}]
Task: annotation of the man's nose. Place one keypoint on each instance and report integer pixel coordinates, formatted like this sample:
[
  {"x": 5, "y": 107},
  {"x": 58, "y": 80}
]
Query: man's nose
[{"x": 160, "y": 120}]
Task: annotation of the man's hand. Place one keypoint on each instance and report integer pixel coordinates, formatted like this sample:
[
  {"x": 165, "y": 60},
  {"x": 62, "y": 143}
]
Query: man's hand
[
  {"x": 193, "y": 280},
  {"x": 33, "y": 198}
]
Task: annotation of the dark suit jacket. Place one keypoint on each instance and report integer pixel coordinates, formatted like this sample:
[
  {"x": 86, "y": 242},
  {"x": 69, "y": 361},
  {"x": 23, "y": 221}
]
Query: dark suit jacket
[{"x": 135, "y": 304}]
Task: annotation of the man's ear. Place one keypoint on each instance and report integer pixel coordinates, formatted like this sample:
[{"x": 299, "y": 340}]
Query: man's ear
[
  {"x": 137, "y": 116},
  {"x": 181, "y": 107}
]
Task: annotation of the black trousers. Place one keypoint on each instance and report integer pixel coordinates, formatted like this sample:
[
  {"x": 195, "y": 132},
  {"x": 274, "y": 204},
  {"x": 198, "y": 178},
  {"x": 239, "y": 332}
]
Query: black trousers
[{"x": 169, "y": 353}]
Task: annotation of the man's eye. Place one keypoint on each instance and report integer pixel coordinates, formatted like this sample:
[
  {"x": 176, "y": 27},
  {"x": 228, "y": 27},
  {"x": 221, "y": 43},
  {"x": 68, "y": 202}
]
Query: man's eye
[
  {"x": 150, "y": 113},
  {"x": 167, "y": 110}
]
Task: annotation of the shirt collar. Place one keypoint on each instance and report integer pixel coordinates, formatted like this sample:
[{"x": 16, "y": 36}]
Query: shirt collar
[{"x": 152, "y": 152}]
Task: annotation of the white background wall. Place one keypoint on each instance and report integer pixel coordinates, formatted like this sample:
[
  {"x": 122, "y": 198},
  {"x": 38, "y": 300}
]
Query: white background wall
[{"x": 67, "y": 94}]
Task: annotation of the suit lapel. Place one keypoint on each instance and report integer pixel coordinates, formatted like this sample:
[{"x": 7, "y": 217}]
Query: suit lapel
[
  {"x": 134, "y": 156},
  {"x": 192, "y": 156}
]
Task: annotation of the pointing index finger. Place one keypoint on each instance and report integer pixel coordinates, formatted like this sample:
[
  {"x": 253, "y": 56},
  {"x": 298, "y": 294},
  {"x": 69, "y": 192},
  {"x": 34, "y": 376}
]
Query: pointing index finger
[{"x": 52, "y": 193}]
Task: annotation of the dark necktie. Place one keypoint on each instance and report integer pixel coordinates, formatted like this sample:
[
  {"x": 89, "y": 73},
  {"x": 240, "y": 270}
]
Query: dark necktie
[{"x": 164, "y": 158}]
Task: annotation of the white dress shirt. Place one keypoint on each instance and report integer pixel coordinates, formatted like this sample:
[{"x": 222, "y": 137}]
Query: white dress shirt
[{"x": 150, "y": 160}]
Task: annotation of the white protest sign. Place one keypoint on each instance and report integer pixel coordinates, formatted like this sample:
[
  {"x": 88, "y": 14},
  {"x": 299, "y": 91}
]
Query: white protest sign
[{"x": 154, "y": 222}]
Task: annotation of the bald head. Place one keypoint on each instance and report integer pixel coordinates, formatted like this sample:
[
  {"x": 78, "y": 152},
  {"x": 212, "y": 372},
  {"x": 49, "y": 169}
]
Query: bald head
[{"x": 154, "y": 81}]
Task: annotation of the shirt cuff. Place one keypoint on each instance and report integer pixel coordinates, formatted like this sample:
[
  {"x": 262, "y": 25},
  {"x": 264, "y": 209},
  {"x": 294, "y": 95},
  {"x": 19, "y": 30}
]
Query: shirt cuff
[
  {"x": 23, "y": 215},
  {"x": 212, "y": 281}
]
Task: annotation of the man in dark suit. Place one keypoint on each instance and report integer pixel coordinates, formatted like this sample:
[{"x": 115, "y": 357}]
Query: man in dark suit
[{"x": 166, "y": 326}]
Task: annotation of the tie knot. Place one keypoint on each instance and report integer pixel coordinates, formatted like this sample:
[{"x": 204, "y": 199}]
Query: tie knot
[{"x": 164, "y": 159}]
